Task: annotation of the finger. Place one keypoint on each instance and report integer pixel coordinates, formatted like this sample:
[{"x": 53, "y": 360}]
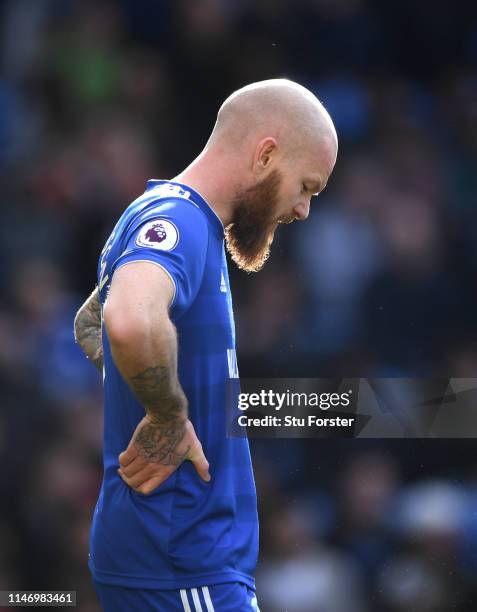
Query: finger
[
  {"x": 131, "y": 452},
  {"x": 152, "y": 484},
  {"x": 127, "y": 456},
  {"x": 124, "y": 478},
  {"x": 202, "y": 466},
  {"x": 144, "y": 475},
  {"x": 136, "y": 465}
]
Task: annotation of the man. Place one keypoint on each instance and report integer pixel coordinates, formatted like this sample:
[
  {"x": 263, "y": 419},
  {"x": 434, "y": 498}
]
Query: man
[{"x": 175, "y": 527}]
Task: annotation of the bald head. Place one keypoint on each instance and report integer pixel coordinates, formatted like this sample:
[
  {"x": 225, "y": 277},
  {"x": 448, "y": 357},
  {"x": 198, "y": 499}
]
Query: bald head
[
  {"x": 272, "y": 148},
  {"x": 278, "y": 108}
]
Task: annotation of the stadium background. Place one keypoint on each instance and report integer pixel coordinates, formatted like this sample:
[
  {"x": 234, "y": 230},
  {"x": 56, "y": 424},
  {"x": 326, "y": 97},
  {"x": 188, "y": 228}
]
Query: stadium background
[{"x": 95, "y": 98}]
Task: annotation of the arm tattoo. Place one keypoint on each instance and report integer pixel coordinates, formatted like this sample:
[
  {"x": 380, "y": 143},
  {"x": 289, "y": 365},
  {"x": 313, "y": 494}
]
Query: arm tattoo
[
  {"x": 154, "y": 389},
  {"x": 158, "y": 441},
  {"x": 87, "y": 328},
  {"x": 149, "y": 385}
]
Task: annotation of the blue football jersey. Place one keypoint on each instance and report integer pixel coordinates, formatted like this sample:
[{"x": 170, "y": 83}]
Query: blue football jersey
[{"x": 187, "y": 532}]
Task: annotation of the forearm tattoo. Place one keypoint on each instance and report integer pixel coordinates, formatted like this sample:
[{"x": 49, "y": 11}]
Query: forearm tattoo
[
  {"x": 152, "y": 386},
  {"x": 158, "y": 441},
  {"x": 88, "y": 329}
]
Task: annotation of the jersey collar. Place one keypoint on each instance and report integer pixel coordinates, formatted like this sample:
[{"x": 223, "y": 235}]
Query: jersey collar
[{"x": 197, "y": 199}]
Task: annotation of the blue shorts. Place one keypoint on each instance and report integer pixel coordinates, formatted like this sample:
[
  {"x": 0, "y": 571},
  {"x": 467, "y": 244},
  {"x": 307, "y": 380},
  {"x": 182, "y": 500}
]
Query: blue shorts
[{"x": 229, "y": 597}]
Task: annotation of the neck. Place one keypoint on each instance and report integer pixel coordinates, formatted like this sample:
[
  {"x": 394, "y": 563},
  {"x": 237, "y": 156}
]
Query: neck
[{"x": 211, "y": 180}]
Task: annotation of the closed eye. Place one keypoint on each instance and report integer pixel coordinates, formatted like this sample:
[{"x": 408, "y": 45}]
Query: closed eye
[
  {"x": 314, "y": 187},
  {"x": 314, "y": 190}
]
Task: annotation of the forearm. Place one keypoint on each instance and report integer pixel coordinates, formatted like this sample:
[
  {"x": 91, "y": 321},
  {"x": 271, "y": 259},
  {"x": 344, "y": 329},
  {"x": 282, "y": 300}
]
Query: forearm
[
  {"x": 146, "y": 356},
  {"x": 87, "y": 328}
]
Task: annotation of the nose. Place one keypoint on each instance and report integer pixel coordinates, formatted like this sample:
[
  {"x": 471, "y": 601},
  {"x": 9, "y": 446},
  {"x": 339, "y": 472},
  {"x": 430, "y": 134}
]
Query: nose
[{"x": 302, "y": 210}]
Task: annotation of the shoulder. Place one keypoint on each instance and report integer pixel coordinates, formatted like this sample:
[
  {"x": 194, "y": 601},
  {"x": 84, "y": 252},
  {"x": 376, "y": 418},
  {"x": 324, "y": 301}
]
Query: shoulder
[
  {"x": 180, "y": 210},
  {"x": 167, "y": 223},
  {"x": 172, "y": 225}
]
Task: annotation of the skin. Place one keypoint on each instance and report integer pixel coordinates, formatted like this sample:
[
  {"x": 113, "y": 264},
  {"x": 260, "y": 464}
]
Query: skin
[
  {"x": 144, "y": 348},
  {"x": 267, "y": 126},
  {"x": 87, "y": 328},
  {"x": 272, "y": 148}
]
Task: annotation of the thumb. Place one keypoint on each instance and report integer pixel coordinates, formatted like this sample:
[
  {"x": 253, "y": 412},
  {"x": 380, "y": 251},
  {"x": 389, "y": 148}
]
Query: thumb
[{"x": 202, "y": 467}]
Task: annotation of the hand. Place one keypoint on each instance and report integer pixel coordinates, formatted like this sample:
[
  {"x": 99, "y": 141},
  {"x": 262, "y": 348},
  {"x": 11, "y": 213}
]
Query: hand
[{"x": 156, "y": 450}]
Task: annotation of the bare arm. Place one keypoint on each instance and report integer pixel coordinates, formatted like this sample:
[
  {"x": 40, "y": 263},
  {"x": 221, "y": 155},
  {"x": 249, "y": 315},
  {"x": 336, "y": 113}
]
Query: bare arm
[
  {"x": 87, "y": 327},
  {"x": 143, "y": 338},
  {"x": 144, "y": 348}
]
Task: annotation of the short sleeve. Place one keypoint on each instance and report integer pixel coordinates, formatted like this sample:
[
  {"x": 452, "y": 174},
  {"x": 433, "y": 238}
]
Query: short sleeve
[{"x": 174, "y": 236}]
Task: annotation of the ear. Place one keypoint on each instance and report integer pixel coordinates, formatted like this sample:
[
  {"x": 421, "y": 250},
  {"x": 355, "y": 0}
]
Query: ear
[{"x": 265, "y": 154}]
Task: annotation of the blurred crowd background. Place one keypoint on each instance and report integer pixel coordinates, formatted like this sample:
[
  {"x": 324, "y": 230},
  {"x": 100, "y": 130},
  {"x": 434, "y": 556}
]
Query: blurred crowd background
[{"x": 98, "y": 96}]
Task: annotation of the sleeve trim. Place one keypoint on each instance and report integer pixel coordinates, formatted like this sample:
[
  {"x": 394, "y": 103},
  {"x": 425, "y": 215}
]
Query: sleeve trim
[{"x": 125, "y": 263}]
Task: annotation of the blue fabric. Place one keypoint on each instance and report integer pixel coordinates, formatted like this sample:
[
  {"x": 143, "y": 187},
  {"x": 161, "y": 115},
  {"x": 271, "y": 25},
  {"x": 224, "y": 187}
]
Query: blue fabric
[
  {"x": 186, "y": 533},
  {"x": 232, "y": 597}
]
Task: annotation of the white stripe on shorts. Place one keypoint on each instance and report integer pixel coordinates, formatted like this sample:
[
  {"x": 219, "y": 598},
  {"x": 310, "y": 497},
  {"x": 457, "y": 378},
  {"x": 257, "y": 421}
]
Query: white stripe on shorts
[
  {"x": 185, "y": 601},
  {"x": 208, "y": 601},
  {"x": 195, "y": 597}
]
